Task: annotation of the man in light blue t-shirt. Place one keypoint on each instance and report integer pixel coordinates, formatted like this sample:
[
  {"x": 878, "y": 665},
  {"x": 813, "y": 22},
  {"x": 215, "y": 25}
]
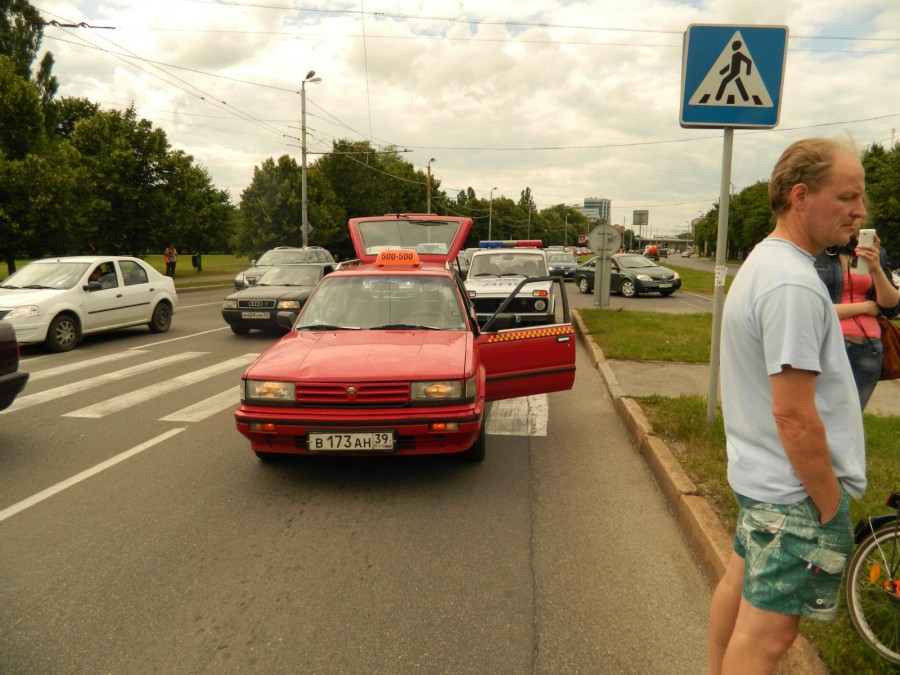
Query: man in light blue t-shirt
[{"x": 795, "y": 443}]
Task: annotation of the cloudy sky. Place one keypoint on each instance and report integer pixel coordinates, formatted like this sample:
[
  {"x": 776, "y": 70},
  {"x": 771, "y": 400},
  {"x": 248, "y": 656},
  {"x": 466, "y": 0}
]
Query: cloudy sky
[{"x": 571, "y": 98}]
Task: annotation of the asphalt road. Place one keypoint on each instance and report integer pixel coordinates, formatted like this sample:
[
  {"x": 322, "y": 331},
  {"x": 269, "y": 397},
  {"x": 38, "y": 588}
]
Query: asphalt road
[{"x": 140, "y": 534}]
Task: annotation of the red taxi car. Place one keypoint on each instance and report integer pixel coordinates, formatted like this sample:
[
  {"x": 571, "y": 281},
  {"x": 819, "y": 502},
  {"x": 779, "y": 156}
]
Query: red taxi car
[{"x": 387, "y": 357}]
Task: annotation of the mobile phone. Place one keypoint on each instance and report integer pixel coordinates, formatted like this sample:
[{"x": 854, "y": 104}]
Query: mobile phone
[{"x": 866, "y": 238}]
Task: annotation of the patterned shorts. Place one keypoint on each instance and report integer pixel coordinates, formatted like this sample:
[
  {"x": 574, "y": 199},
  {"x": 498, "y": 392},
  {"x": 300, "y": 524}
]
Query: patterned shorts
[{"x": 792, "y": 564}]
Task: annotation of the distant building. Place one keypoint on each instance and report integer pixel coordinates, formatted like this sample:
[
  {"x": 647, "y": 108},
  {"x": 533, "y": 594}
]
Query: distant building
[{"x": 597, "y": 207}]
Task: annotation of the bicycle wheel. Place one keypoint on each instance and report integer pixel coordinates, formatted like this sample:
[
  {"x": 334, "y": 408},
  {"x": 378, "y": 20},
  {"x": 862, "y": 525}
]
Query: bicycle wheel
[{"x": 873, "y": 591}]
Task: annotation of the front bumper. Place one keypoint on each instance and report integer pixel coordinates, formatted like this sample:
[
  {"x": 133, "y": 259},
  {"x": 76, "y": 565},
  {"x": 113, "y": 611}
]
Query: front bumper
[
  {"x": 11, "y": 386},
  {"x": 410, "y": 426},
  {"x": 655, "y": 286}
]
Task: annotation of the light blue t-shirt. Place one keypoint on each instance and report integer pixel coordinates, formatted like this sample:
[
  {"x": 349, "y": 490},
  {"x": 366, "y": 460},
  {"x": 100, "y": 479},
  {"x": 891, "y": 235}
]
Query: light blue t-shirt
[{"x": 778, "y": 313}]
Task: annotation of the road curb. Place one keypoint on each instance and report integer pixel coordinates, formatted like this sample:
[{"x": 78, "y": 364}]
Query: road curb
[{"x": 696, "y": 518}]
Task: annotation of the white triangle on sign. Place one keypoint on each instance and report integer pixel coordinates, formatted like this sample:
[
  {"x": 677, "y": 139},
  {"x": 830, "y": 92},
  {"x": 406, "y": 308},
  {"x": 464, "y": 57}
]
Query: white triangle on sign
[{"x": 733, "y": 80}]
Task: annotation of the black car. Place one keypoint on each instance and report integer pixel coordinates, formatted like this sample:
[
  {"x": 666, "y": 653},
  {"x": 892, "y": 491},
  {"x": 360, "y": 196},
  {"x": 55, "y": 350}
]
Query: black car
[
  {"x": 283, "y": 288},
  {"x": 562, "y": 264},
  {"x": 12, "y": 380},
  {"x": 283, "y": 255},
  {"x": 631, "y": 274}
]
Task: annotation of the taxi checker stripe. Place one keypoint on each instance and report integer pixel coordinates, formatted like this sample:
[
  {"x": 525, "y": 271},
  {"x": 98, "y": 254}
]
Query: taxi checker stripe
[{"x": 531, "y": 333}]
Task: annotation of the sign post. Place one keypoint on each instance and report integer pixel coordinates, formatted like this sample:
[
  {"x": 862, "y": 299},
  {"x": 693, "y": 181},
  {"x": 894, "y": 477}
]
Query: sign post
[
  {"x": 605, "y": 240},
  {"x": 731, "y": 77}
]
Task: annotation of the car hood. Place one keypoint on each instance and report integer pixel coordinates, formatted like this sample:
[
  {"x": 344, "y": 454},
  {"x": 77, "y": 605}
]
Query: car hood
[
  {"x": 11, "y": 297},
  {"x": 270, "y": 292},
  {"x": 652, "y": 272},
  {"x": 364, "y": 356}
]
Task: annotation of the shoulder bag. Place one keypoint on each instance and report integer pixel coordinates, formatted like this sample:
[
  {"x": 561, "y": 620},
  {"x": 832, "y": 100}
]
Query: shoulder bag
[{"x": 890, "y": 339}]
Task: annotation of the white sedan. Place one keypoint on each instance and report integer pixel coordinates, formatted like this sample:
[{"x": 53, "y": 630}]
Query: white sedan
[{"x": 58, "y": 300}]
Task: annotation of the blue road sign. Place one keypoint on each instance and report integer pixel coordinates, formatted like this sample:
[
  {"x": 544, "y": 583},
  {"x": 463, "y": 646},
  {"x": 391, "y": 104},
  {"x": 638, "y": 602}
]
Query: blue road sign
[{"x": 732, "y": 76}]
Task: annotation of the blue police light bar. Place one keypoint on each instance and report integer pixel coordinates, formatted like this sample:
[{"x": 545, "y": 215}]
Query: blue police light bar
[{"x": 511, "y": 243}]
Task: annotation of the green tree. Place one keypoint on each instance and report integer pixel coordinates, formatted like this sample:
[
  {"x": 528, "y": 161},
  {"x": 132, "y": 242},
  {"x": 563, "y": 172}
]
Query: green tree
[
  {"x": 269, "y": 211},
  {"x": 21, "y": 117},
  {"x": 883, "y": 188}
]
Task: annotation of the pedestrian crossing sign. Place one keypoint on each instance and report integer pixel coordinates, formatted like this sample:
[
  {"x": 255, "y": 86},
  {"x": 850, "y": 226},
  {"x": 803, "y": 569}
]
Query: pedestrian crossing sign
[{"x": 732, "y": 76}]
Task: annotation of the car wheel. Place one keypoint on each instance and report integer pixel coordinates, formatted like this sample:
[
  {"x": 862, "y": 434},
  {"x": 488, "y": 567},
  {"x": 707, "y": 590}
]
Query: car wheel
[
  {"x": 628, "y": 288},
  {"x": 476, "y": 452},
  {"x": 668, "y": 292},
  {"x": 583, "y": 285},
  {"x": 240, "y": 330},
  {"x": 161, "y": 319},
  {"x": 63, "y": 334}
]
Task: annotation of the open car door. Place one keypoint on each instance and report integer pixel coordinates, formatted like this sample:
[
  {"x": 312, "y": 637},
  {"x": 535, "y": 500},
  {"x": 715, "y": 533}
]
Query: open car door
[{"x": 527, "y": 361}]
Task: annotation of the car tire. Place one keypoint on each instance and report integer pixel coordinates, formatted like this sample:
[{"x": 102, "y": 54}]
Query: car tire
[
  {"x": 63, "y": 333},
  {"x": 477, "y": 451},
  {"x": 628, "y": 289},
  {"x": 161, "y": 320},
  {"x": 583, "y": 285},
  {"x": 268, "y": 456},
  {"x": 668, "y": 292},
  {"x": 240, "y": 330}
]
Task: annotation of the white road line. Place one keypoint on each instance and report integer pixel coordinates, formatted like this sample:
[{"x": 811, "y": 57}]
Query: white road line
[
  {"x": 206, "y": 408},
  {"x": 132, "y": 398},
  {"x": 84, "y": 475},
  {"x": 524, "y": 416},
  {"x": 76, "y": 387},
  {"x": 61, "y": 370},
  {"x": 184, "y": 337}
]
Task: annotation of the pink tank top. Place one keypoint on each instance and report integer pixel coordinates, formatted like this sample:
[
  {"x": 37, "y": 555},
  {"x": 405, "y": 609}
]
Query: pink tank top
[{"x": 862, "y": 325}]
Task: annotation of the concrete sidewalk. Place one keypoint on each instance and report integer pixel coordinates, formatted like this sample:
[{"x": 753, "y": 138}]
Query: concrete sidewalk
[{"x": 696, "y": 518}]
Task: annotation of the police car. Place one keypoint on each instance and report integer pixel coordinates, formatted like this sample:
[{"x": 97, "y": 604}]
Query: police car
[
  {"x": 387, "y": 357},
  {"x": 498, "y": 268}
]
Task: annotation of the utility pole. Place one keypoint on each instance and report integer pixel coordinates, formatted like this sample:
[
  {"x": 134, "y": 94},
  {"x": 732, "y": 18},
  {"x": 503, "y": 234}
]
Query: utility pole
[
  {"x": 428, "y": 186},
  {"x": 491, "y": 212},
  {"x": 304, "y": 201}
]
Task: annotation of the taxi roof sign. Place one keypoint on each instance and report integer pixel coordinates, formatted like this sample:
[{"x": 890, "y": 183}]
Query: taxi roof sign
[{"x": 398, "y": 257}]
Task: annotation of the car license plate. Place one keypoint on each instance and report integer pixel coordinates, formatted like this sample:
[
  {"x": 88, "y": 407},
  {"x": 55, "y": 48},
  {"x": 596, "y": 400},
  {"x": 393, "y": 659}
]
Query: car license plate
[
  {"x": 254, "y": 315},
  {"x": 356, "y": 441},
  {"x": 665, "y": 285}
]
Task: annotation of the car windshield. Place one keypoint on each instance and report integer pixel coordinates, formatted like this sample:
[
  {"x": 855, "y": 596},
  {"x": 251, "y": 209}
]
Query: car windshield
[
  {"x": 425, "y": 236},
  {"x": 507, "y": 264},
  {"x": 59, "y": 275},
  {"x": 291, "y": 275},
  {"x": 635, "y": 261},
  {"x": 561, "y": 258},
  {"x": 383, "y": 302},
  {"x": 282, "y": 257}
]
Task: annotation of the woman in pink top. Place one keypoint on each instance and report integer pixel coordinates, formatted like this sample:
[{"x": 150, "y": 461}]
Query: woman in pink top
[{"x": 859, "y": 299}]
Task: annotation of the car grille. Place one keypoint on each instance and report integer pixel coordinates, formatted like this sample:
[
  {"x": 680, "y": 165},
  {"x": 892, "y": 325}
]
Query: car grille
[
  {"x": 491, "y": 305},
  {"x": 256, "y": 304},
  {"x": 337, "y": 395}
]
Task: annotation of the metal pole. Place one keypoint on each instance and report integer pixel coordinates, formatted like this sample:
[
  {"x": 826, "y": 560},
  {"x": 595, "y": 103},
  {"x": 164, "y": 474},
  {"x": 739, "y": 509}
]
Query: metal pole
[
  {"x": 719, "y": 289},
  {"x": 304, "y": 220},
  {"x": 491, "y": 212},
  {"x": 428, "y": 187}
]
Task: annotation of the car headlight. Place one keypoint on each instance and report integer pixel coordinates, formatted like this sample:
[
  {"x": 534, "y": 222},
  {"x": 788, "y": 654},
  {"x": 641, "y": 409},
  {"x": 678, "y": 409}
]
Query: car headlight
[
  {"x": 23, "y": 312},
  {"x": 239, "y": 279},
  {"x": 677, "y": 276},
  {"x": 230, "y": 304},
  {"x": 540, "y": 305},
  {"x": 268, "y": 390},
  {"x": 644, "y": 277},
  {"x": 442, "y": 390},
  {"x": 288, "y": 304}
]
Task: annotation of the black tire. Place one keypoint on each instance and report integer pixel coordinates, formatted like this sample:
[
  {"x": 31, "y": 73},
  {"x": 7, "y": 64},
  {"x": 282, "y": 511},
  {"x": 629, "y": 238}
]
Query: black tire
[
  {"x": 583, "y": 285},
  {"x": 668, "y": 292},
  {"x": 873, "y": 591},
  {"x": 240, "y": 330},
  {"x": 269, "y": 456},
  {"x": 628, "y": 289},
  {"x": 477, "y": 451},
  {"x": 63, "y": 333},
  {"x": 161, "y": 319}
]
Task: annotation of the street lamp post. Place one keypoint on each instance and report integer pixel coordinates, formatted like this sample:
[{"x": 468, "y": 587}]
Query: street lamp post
[
  {"x": 304, "y": 202},
  {"x": 428, "y": 187},
  {"x": 491, "y": 212}
]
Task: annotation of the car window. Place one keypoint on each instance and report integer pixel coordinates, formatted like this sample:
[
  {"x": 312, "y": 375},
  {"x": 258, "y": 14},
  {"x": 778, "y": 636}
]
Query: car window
[
  {"x": 132, "y": 273},
  {"x": 561, "y": 258},
  {"x": 291, "y": 275},
  {"x": 435, "y": 236},
  {"x": 636, "y": 261},
  {"x": 60, "y": 275},
  {"x": 500, "y": 264},
  {"x": 381, "y": 302}
]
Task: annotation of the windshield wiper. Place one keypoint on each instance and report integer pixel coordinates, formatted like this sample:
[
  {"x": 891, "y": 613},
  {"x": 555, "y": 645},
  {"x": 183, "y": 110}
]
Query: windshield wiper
[
  {"x": 403, "y": 326},
  {"x": 36, "y": 286},
  {"x": 9, "y": 286},
  {"x": 513, "y": 274},
  {"x": 484, "y": 274},
  {"x": 326, "y": 326}
]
